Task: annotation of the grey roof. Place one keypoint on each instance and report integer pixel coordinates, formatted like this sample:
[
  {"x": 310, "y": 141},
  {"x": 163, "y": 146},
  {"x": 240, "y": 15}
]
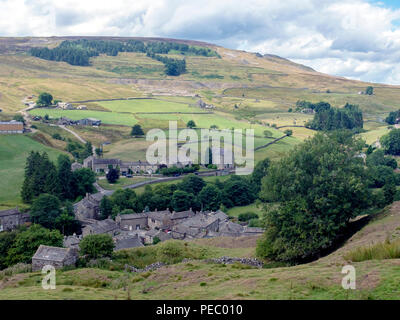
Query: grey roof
[
  {"x": 182, "y": 214},
  {"x": 9, "y": 212},
  {"x": 133, "y": 216},
  {"x": 106, "y": 161},
  {"x": 159, "y": 215},
  {"x": 228, "y": 226},
  {"x": 127, "y": 243},
  {"x": 10, "y": 122},
  {"x": 222, "y": 216},
  {"x": 51, "y": 253},
  {"x": 103, "y": 226},
  {"x": 199, "y": 221}
]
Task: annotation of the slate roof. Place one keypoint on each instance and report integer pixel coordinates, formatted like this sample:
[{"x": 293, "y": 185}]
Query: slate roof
[
  {"x": 103, "y": 226},
  {"x": 9, "y": 212},
  {"x": 127, "y": 243},
  {"x": 51, "y": 253},
  {"x": 133, "y": 216}
]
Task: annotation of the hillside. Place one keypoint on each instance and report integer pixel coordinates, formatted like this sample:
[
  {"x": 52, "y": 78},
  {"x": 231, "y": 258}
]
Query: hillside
[
  {"x": 260, "y": 83},
  {"x": 196, "y": 279}
]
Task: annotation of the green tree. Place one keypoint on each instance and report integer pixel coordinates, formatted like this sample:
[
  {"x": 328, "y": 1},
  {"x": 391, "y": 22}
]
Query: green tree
[
  {"x": 27, "y": 242},
  {"x": 320, "y": 186},
  {"x": 19, "y": 117},
  {"x": 83, "y": 180},
  {"x": 260, "y": 171},
  {"x": 191, "y": 184},
  {"x": 96, "y": 246},
  {"x": 45, "y": 210},
  {"x": 106, "y": 206},
  {"x": 65, "y": 177},
  {"x": 44, "y": 99},
  {"x": 237, "y": 192},
  {"x": 112, "y": 175},
  {"x": 369, "y": 90},
  {"x": 391, "y": 142},
  {"x": 7, "y": 239},
  {"x": 182, "y": 200},
  {"x": 267, "y": 134},
  {"x": 137, "y": 131},
  {"x": 191, "y": 124},
  {"x": 210, "y": 197},
  {"x": 288, "y": 132}
]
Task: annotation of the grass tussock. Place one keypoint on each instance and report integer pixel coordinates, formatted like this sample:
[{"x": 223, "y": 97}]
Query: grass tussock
[{"x": 380, "y": 251}]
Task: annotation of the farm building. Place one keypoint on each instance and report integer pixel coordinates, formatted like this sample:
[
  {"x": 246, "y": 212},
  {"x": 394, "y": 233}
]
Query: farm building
[
  {"x": 11, "y": 219},
  {"x": 82, "y": 107},
  {"x": 54, "y": 256},
  {"x": 11, "y": 127},
  {"x": 103, "y": 165},
  {"x": 65, "y": 106}
]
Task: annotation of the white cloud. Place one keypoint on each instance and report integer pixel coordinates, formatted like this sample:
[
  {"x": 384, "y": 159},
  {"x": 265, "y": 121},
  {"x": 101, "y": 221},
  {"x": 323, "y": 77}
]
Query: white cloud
[{"x": 351, "y": 38}]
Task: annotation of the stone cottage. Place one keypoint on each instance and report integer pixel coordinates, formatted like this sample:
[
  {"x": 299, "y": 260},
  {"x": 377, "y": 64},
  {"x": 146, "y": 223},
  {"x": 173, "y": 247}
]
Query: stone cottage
[
  {"x": 107, "y": 226},
  {"x": 11, "y": 219},
  {"x": 88, "y": 207},
  {"x": 54, "y": 256}
]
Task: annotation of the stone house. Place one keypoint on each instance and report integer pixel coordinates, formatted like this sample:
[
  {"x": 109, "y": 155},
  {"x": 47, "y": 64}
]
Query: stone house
[
  {"x": 127, "y": 242},
  {"x": 76, "y": 166},
  {"x": 82, "y": 107},
  {"x": 54, "y": 256},
  {"x": 197, "y": 226},
  {"x": 159, "y": 219},
  {"x": 133, "y": 221},
  {"x": 11, "y": 219},
  {"x": 7, "y": 127},
  {"x": 89, "y": 122},
  {"x": 88, "y": 207},
  {"x": 72, "y": 241},
  {"x": 100, "y": 165},
  {"x": 107, "y": 226},
  {"x": 64, "y": 106}
]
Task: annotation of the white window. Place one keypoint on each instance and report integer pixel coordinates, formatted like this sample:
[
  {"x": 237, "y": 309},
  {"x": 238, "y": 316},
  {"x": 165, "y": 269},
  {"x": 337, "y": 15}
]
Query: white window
[{"x": 1, "y": 228}]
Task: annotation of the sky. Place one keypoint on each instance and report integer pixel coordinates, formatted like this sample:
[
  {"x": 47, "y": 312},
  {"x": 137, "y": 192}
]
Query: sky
[{"x": 358, "y": 39}]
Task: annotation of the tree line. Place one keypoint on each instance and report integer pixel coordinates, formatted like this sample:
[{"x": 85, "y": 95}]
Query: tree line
[
  {"x": 192, "y": 192},
  {"x": 42, "y": 176},
  {"x": 79, "y": 52},
  {"x": 328, "y": 118}
]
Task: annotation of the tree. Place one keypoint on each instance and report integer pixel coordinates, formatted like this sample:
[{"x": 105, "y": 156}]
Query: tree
[
  {"x": 182, "y": 200},
  {"x": 99, "y": 151},
  {"x": 191, "y": 124},
  {"x": 19, "y": 117},
  {"x": 65, "y": 177},
  {"x": 112, "y": 175},
  {"x": 391, "y": 142},
  {"x": 83, "y": 180},
  {"x": 40, "y": 177},
  {"x": 267, "y": 134},
  {"x": 137, "y": 130},
  {"x": 106, "y": 206},
  {"x": 260, "y": 171},
  {"x": 247, "y": 216},
  {"x": 66, "y": 222},
  {"x": 288, "y": 132},
  {"x": 237, "y": 192},
  {"x": 7, "y": 239},
  {"x": 96, "y": 246},
  {"x": 44, "y": 99},
  {"x": 27, "y": 242},
  {"x": 191, "y": 184},
  {"x": 320, "y": 186},
  {"x": 45, "y": 210},
  {"x": 210, "y": 197},
  {"x": 369, "y": 90},
  {"x": 377, "y": 158}
]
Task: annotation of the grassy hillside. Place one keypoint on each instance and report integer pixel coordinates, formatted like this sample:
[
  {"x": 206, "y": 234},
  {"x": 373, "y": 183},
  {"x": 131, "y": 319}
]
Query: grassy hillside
[{"x": 13, "y": 152}]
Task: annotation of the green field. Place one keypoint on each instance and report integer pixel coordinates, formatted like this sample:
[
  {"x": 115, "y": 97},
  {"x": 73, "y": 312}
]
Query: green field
[
  {"x": 121, "y": 182},
  {"x": 13, "y": 152},
  {"x": 149, "y": 105},
  {"x": 235, "y": 211},
  {"x": 105, "y": 117}
]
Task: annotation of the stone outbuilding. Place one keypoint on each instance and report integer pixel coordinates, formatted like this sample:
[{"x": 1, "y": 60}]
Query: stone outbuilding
[
  {"x": 54, "y": 256},
  {"x": 11, "y": 219}
]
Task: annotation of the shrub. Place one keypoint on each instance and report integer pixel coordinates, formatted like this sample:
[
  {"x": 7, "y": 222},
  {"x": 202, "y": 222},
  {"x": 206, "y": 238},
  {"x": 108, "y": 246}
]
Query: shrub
[
  {"x": 380, "y": 251},
  {"x": 97, "y": 246},
  {"x": 246, "y": 216}
]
